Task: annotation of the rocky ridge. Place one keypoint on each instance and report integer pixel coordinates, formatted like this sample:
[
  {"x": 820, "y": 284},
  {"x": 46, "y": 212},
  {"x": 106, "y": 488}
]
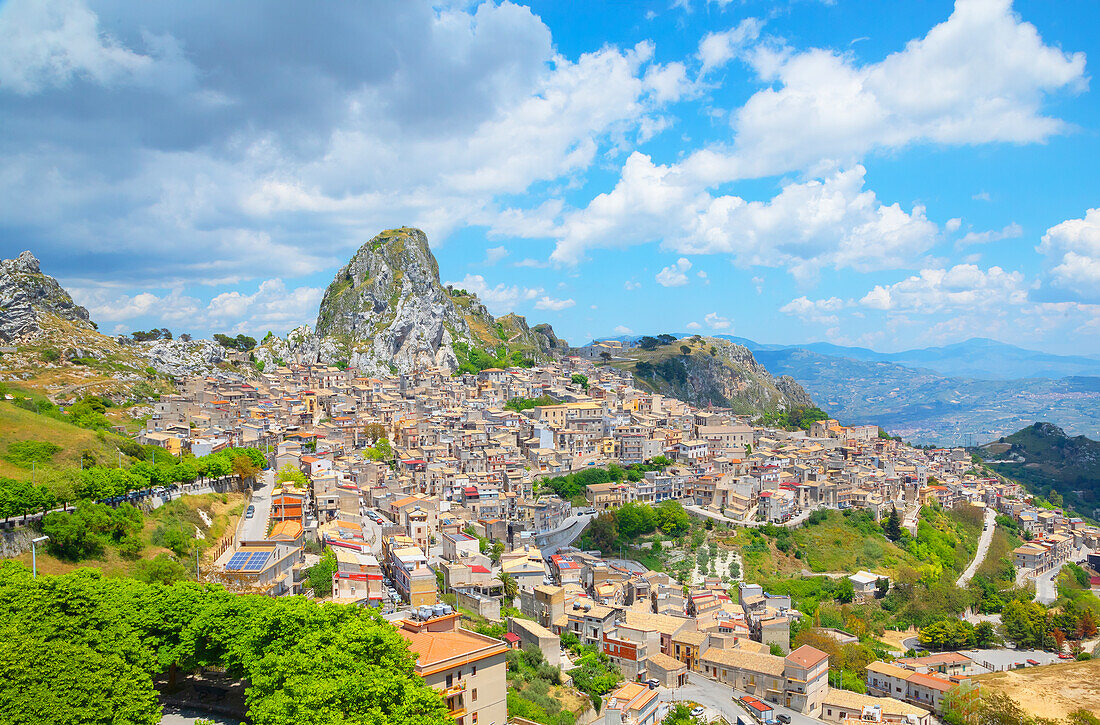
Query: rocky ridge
[
  {"x": 715, "y": 372},
  {"x": 386, "y": 311},
  {"x": 26, "y": 295}
]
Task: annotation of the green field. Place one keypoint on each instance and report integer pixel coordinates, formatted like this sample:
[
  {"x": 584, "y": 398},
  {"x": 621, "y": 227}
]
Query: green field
[{"x": 17, "y": 424}]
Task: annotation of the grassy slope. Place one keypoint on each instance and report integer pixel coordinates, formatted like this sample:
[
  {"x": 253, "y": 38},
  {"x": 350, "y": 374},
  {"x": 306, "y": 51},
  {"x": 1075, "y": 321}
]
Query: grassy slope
[
  {"x": 225, "y": 511},
  {"x": 17, "y": 424},
  {"x": 841, "y": 544}
]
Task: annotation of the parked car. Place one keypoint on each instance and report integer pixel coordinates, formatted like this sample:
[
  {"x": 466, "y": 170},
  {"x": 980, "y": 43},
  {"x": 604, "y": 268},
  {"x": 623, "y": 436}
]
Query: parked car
[
  {"x": 653, "y": 683},
  {"x": 785, "y": 719},
  {"x": 250, "y": 512},
  {"x": 697, "y": 711}
]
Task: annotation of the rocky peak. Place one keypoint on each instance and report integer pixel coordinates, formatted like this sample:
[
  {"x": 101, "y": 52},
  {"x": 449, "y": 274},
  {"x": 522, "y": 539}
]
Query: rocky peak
[
  {"x": 387, "y": 309},
  {"x": 26, "y": 295}
]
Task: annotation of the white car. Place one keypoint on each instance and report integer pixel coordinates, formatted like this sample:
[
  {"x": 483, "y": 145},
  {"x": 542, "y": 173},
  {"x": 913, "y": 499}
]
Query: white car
[{"x": 697, "y": 711}]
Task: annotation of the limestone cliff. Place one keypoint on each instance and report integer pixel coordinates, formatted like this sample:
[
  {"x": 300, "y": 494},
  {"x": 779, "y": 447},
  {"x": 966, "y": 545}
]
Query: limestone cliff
[
  {"x": 27, "y": 297},
  {"x": 386, "y": 311},
  {"x": 711, "y": 371}
]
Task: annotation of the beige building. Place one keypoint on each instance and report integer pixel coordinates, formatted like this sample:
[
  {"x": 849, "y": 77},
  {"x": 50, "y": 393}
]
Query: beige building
[{"x": 467, "y": 668}]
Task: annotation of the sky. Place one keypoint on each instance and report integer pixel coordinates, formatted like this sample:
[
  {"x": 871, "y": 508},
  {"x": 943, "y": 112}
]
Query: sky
[{"x": 891, "y": 175}]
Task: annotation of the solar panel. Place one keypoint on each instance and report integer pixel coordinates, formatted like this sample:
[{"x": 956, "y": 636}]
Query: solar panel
[
  {"x": 257, "y": 562},
  {"x": 238, "y": 560}
]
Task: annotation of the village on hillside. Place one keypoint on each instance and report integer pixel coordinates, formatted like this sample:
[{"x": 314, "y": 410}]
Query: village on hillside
[{"x": 480, "y": 496}]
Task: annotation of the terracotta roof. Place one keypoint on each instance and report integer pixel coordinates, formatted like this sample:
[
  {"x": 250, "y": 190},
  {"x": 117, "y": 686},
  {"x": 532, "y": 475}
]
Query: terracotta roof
[
  {"x": 807, "y": 656},
  {"x": 931, "y": 682}
]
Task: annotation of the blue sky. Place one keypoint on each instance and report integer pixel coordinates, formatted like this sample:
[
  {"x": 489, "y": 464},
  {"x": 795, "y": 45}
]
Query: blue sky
[{"x": 882, "y": 174}]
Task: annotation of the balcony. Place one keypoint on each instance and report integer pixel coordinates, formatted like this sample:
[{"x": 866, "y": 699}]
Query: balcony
[{"x": 455, "y": 689}]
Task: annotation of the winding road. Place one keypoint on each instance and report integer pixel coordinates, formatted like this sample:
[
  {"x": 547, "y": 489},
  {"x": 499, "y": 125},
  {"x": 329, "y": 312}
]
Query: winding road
[{"x": 983, "y": 548}]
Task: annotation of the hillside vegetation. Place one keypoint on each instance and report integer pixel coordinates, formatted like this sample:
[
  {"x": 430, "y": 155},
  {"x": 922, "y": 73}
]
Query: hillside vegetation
[{"x": 1048, "y": 462}]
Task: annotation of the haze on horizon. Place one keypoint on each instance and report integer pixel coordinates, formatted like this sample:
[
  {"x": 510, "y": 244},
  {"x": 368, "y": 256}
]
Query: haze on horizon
[{"x": 797, "y": 171}]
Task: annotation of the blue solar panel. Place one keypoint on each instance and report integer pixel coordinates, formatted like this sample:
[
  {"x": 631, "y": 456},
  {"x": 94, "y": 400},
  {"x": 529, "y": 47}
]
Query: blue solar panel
[
  {"x": 257, "y": 562},
  {"x": 238, "y": 560}
]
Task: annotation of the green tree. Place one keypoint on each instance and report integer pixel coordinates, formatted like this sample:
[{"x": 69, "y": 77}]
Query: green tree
[
  {"x": 320, "y": 574},
  {"x": 844, "y": 592},
  {"x": 672, "y": 519},
  {"x": 892, "y": 527},
  {"x": 1025, "y": 624},
  {"x": 581, "y": 380},
  {"x": 161, "y": 569},
  {"x": 634, "y": 519},
  {"x": 604, "y": 531},
  {"x": 509, "y": 586}
]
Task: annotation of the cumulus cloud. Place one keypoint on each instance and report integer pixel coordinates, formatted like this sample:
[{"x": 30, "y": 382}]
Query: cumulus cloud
[
  {"x": 623, "y": 330},
  {"x": 1073, "y": 248},
  {"x": 822, "y": 311},
  {"x": 834, "y": 222},
  {"x": 962, "y": 287},
  {"x": 674, "y": 275},
  {"x": 631, "y": 285},
  {"x": 718, "y": 49},
  {"x": 716, "y": 322},
  {"x": 207, "y": 133},
  {"x": 978, "y": 77},
  {"x": 694, "y": 326}
]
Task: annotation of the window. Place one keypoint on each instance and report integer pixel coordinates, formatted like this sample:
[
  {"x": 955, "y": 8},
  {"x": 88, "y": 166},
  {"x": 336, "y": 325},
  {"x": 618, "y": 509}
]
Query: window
[
  {"x": 475, "y": 718},
  {"x": 475, "y": 694},
  {"x": 473, "y": 671}
]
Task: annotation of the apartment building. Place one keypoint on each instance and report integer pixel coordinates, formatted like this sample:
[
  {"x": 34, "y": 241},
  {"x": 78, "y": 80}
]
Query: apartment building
[{"x": 467, "y": 668}]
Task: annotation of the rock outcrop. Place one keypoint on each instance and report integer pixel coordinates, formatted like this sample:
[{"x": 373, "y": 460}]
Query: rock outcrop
[
  {"x": 182, "y": 357},
  {"x": 386, "y": 311},
  {"x": 716, "y": 372},
  {"x": 26, "y": 295}
]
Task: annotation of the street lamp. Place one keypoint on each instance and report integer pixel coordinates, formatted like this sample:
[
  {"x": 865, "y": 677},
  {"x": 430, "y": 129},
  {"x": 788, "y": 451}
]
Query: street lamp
[{"x": 34, "y": 555}]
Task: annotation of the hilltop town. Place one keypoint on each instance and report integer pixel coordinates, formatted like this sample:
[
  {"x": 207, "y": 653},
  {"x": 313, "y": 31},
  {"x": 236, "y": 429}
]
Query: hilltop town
[{"x": 444, "y": 498}]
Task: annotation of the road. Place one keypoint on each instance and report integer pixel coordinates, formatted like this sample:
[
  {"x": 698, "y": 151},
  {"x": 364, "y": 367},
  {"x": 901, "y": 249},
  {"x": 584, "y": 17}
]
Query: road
[
  {"x": 176, "y": 715},
  {"x": 550, "y": 541},
  {"x": 791, "y": 523},
  {"x": 719, "y": 699},
  {"x": 255, "y": 528},
  {"x": 983, "y": 548}
]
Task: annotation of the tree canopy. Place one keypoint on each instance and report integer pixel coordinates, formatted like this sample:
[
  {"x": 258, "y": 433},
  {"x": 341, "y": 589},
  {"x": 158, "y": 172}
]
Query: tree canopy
[{"x": 83, "y": 649}]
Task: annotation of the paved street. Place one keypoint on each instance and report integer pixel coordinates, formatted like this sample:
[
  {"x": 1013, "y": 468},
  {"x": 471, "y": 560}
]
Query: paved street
[
  {"x": 983, "y": 548},
  {"x": 255, "y": 528},
  {"x": 721, "y": 700},
  {"x": 550, "y": 541},
  {"x": 795, "y": 521}
]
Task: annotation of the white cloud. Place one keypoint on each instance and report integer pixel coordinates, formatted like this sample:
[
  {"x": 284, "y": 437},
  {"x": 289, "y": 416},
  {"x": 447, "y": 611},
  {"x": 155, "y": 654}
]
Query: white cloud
[
  {"x": 758, "y": 283},
  {"x": 821, "y": 311},
  {"x": 667, "y": 83},
  {"x": 964, "y": 287},
  {"x": 806, "y": 227},
  {"x": 623, "y": 330},
  {"x": 978, "y": 77},
  {"x": 631, "y": 285},
  {"x": 1073, "y": 247},
  {"x": 674, "y": 275},
  {"x": 495, "y": 254},
  {"x": 1010, "y": 231},
  {"x": 549, "y": 303},
  {"x": 982, "y": 196},
  {"x": 952, "y": 225},
  {"x": 500, "y": 299},
  {"x": 716, "y": 322},
  {"x": 694, "y": 326},
  {"x": 717, "y": 49},
  {"x": 50, "y": 44}
]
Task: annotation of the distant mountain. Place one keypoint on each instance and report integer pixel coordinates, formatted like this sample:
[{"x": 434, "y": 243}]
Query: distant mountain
[
  {"x": 1044, "y": 458},
  {"x": 978, "y": 357},
  {"x": 924, "y": 406}
]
